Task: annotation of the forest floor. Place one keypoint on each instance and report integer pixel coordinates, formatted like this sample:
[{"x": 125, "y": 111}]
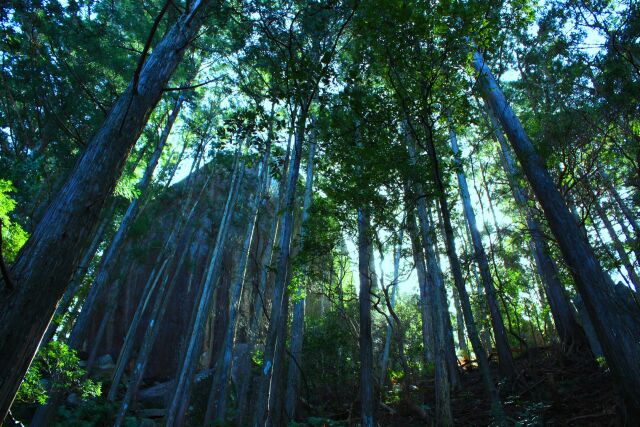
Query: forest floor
[{"x": 551, "y": 389}]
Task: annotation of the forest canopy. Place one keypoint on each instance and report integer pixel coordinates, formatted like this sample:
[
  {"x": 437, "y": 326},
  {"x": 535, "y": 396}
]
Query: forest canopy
[{"x": 319, "y": 213}]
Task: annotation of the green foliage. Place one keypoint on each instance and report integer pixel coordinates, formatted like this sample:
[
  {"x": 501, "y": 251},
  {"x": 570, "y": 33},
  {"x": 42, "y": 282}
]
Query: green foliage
[
  {"x": 257, "y": 357},
  {"x": 59, "y": 366},
  {"x": 126, "y": 187},
  {"x": 13, "y": 235}
]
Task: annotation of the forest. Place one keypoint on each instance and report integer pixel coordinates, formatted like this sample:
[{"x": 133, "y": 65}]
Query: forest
[{"x": 319, "y": 213}]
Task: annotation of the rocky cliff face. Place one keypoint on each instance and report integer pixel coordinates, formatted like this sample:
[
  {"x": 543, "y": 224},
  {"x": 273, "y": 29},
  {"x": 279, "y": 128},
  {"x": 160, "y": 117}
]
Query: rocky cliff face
[{"x": 197, "y": 239}]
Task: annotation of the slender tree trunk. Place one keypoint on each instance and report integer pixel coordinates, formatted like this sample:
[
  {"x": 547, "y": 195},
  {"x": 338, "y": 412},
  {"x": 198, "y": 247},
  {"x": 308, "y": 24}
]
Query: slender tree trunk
[
  {"x": 108, "y": 264},
  {"x": 217, "y": 404},
  {"x": 155, "y": 319},
  {"x": 436, "y": 290},
  {"x": 502, "y": 344},
  {"x": 262, "y": 415},
  {"x": 297, "y": 325},
  {"x": 78, "y": 278},
  {"x": 421, "y": 269},
  {"x": 443, "y": 367},
  {"x": 274, "y": 231},
  {"x": 617, "y": 327},
  {"x": 452, "y": 357},
  {"x": 628, "y": 214},
  {"x": 111, "y": 257},
  {"x": 569, "y": 331},
  {"x": 617, "y": 244},
  {"x": 479, "y": 349},
  {"x": 52, "y": 253},
  {"x": 277, "y": 386},
  {"x": 462, "y": 340},
  {"x": 174, "y": 414},
  {"x": 157, "y": 313},
  {"x": 367, "y": 383},
  {"x": 394, "y": 290},
  {"x": 629, "y": 235}
]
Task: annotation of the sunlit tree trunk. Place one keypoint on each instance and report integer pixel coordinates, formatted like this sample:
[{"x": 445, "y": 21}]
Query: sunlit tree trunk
[
  {"x": 436, "y": 292},
  {"x": 617, "y": 244},
  {"x": 628, "y": 214},
  {"x": 50, "y": 257},
  {"x": 502, "y": 344},
  {"x": 443, "y": 367},
  {"x": 274, "y": 231},
  {"x": 421, "y": 269},
  {"x": 569, "y": 330},
  {"x": 394, "y": 290},
  {"x": 616, "y": 326}
]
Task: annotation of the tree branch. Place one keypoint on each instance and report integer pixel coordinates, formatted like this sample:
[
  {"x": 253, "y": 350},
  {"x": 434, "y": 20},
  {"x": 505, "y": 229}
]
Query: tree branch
[{"x": 147, "y": 46}]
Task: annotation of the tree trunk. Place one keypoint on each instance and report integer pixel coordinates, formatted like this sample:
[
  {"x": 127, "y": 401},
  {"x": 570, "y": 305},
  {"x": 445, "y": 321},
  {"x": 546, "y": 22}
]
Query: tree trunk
[
  {"x": 274, "y": 231},
  {"x": 112, "y": 255},
  {"x": 628, "y": 214},
  {"x": 262, "y": 415},
  {"x": 617, "y": 244},
  {"x": 217, "y": 403},
  {"x": 78, "y": 277},
  {"x": 570, "y": 333},
  {"x": 436, "y": 291},
  {"x": 462, "y": 340},
  {"x": 48, "y": 260},
  {"x": 421, "y": 269},
  {"x": 367, "y": 383},
  {"x": 394, "y": 290},
  {"x": 502, "y": 344},
  {"x": 443, "y": 368},
  {"x": 167, "y": 253},
  {"x": 617, "y": 327},
  {"x": 155, "y": 319},
  {"x": 174, "y": 415},
  {"x": 297, "y": 325}
]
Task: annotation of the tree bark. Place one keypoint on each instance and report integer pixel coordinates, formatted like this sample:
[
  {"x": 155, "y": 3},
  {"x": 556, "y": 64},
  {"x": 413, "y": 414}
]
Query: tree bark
[
  {"x": 175, "y": 411},
  {"x": 367, "y": 383},
  {"x": 617, "y": 244},
  {"x": 48, "y": 260},
  {"x": 502, "y": 344},
  {"x": 217, "y": 404},
  {"x": 421, "y": 269},
  {"x": 262, "y": 414},
  {"x": 297, "y": 325},
  {"x": 569, "y": 331},
  {"x": 394, "y": 290},
  {"x": 616, "y": 326}
]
